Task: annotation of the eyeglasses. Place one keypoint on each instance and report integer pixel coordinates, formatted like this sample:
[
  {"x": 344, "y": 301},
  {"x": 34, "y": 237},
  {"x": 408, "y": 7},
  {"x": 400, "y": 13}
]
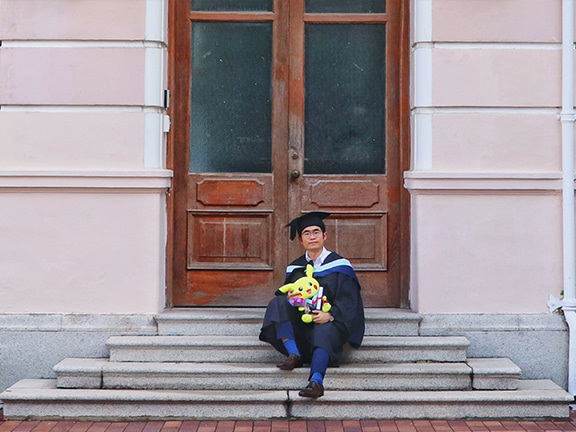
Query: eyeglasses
[{"x": 308, "y": 234}]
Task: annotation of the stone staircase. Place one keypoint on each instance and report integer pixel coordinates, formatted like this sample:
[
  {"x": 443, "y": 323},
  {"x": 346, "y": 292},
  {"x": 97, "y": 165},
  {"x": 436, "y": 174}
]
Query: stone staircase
[{"x": 209, "y": 364}]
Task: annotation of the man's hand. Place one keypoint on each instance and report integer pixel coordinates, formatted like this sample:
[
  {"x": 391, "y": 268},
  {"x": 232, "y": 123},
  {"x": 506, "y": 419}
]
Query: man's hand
[{"x": 321, "y": 317}]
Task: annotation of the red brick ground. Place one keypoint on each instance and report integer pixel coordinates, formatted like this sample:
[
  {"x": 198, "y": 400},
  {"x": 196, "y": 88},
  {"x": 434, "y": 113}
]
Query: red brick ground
[{"x": 7, "y": 425}]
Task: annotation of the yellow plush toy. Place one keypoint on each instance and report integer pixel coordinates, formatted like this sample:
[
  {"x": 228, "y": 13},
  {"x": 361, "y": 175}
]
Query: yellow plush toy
[{"x": 311, "y": 295}]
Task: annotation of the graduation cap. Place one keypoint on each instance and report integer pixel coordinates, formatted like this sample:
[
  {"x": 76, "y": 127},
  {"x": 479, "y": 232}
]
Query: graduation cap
[{"x": 298, "y": 224}]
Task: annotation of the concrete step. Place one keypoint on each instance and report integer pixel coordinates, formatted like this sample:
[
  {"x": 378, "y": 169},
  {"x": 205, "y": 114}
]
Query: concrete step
[
  {"x": 40, "y": 399},
  {"x": 98, "y": 373},
  {"x": 494, "y": 373},
  {"x": 79, "y": 373},
  {"x": 250, "y": 349},
  {"x": 533, "y": 400},
  {"x": 248, "y": 321},
  {"x": 251, "y": 376}
]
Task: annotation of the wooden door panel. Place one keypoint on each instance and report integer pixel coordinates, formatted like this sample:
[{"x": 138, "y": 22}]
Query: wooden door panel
[
  {"x": 378, "y": 291},
  {"x": 225, "y": 288},
  {"x": 226, "y": 191},
  {"x": 362, "y": 238},
  {"x": 229, "y": 221},
  {"x": 229, "y": 240},
  {"x": 343, "y": 193},
  {"x": 325, "y": 193},
  {"x": 218, "y": 192},
  {"x": 358, "y": 226}
]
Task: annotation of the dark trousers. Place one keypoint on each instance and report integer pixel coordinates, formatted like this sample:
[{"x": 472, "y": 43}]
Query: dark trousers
[{"x": 280, "y": 314}]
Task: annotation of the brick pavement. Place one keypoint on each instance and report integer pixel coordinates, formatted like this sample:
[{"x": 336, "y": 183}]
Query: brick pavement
[{"x": 7, "y": 425}]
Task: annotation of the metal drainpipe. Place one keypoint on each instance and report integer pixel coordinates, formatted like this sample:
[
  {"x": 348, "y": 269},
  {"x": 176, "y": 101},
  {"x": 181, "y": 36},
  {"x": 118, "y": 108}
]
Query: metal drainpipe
[{"x": 568, "y": 217}]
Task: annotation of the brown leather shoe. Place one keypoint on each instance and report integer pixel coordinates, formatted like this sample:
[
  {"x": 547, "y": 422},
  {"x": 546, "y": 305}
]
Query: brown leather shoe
[
  {"x": 293, "y": 361},
  {"x": 312, "y": 390}
]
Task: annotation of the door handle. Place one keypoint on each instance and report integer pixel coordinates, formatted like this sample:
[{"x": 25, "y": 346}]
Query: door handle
[{"x": 294, "y": 174}]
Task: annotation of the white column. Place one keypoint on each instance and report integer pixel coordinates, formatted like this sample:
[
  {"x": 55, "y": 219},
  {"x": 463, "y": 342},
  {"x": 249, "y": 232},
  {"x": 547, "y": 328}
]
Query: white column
[
  {"x": 567, "y": 119},
  {"x": 423, "y": 79},
  {"x": 155, "y": 84}
]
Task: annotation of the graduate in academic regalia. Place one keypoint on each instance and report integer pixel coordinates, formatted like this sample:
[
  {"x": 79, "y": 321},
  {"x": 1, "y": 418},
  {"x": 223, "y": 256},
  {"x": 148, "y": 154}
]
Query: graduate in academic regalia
[{"x": 320, "y": 342}]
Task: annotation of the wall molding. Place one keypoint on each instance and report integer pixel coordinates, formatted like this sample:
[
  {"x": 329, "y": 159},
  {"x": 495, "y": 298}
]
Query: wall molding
[
  {"x": 47, "y": 43},
  {"x": 489, "y": 183},
  {"x": 86, "y": 180}
]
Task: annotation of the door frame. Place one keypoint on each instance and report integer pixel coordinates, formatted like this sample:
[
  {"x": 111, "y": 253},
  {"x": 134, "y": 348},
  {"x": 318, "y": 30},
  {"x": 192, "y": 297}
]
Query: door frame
[{"x": 177, "y": 152}]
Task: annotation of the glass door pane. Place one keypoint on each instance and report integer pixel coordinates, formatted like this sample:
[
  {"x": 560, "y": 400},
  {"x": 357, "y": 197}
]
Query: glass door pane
[
  {"x": 345, "y": 108},
  {"x": 232, "y": 5},
  {"x": 346, "y": 6},
  {"x": 231, "y": 97}
]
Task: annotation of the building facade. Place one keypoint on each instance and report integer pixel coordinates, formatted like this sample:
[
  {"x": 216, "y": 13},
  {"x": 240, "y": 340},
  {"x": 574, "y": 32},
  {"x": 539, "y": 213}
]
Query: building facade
[{"x": 151, "y": 152}]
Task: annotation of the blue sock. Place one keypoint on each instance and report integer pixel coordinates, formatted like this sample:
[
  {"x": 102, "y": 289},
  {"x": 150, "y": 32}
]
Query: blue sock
[
  {"x": 290, "y": 345},
  {"x": 319, "y": 365},
  {"x": 318, "y": 377}
]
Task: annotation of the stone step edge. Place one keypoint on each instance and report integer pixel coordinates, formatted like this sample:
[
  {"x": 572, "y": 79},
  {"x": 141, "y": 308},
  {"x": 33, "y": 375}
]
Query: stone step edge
[
  {"x": 251, "y": 342},
  {"x": 496, "y": 366},
  {"x": 249, "y": 348},
  {"x": 99, "y": 366},
  {"x": 499, "y": 366},
  {"x": 534, "y": 400},
  {"x": 484, "y": 374},
  {"x": 252, "y": 314},
  {"x": 226, "y": 376},
  {"x": 45, "y": 389},
  {"x": 39, "y": 399},
  {"x": 493, "y": 374}
]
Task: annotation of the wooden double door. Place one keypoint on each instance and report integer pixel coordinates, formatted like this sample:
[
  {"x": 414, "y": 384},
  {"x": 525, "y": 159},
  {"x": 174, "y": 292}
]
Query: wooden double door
[{"x": 281, "y": 107}]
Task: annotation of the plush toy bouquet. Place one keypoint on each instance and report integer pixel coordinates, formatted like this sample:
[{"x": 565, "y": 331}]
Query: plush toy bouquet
[{"x": 310, "y": 295}]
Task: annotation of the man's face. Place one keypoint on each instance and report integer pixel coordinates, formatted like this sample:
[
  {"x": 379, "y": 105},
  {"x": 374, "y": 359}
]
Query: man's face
[{"x": 312, "y": 238}]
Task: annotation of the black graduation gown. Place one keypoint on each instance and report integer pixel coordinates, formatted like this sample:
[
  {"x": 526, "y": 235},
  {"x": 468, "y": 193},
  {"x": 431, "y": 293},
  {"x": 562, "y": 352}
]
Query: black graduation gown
[{"x": 342, "y": 290}]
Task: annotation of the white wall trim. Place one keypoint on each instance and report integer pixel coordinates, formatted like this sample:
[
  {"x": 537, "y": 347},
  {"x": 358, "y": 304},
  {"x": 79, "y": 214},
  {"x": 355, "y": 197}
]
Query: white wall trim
[
  {"x": 82, "y": 44},
  {"x": 497, "y": 46},
  {"x": 423, "y": 83},
  {"x": 155, "y": 20},
  {"x": 153, "y": 97},
  {"x": 422, "y": 21},
  {"x": 155, "y": 83},
  {"x": 154, "y": 77},
  {"x": 144, "y": 180},
  {"x": 423, "y": 141},
  {"x": 439, "y": 183},
  {"x": 153, "y": 141},
  {"x": 423, "y": 127},
  {"x": 486, "y": 110},
  {"x": 80, "y": 108}
]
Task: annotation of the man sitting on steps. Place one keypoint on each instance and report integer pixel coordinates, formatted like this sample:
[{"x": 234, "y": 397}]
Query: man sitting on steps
[{"x": 320, "y": 342}]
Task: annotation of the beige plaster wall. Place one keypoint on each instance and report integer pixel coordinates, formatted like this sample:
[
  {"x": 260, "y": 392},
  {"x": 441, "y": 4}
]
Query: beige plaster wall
[
  {"x": 488, "y": 253},
  {"x": 71, "y": 76},
  {"x": 73, "y": 20},
  {"x": 486, "y": 201},
  {"x": 500, "y": 76},
  {"x": 497, "y": 21},
  {"x": 75, "y": 95},
  {"x": 79, "y": 140},
  {"x": 80, "y": 252},
  {"x": 492, "y": 141},
  {"x": 82, "y": 179}
]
